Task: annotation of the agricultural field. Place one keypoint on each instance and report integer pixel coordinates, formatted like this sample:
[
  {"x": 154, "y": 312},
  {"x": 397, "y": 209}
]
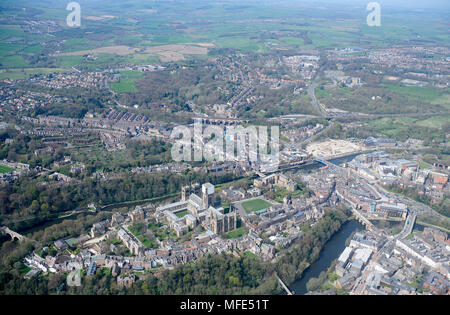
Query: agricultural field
[
  {"x": 145, "y": 26},
  {"x": 126, "y": 83}
]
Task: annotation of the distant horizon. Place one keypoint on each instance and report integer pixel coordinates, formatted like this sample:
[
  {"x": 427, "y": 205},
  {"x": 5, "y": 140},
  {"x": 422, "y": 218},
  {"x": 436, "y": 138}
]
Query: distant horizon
[{"x": 412, "y": 4}]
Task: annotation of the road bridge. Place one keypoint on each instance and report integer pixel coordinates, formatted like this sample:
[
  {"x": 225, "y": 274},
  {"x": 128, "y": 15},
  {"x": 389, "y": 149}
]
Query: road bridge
[
  {"x": 362, "y": 219},
  {"x": 408, "y": 227}
]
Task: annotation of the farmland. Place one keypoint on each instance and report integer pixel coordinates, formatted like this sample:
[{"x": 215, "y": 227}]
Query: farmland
[
  {"x": 126, "y": 83},
  {"x": 149, "y": 27}
]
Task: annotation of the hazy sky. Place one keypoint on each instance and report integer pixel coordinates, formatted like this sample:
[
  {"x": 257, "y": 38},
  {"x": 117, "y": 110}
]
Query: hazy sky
[{"x": 410, "y": 4}]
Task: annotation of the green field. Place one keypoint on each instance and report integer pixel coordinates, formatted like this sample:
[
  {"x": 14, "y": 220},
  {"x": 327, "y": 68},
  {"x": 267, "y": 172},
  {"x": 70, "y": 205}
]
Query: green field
[
  {"x": 142, "y": 59},
  {"x": 402, "y": 128},
  {"x": 34, "y": 49},
  {"x": 436, "y": 122},
  {"x": 424, "y": 165},
  {"x": 6, "y": 49},
  {"x": 424, "y": 93},
  {"x": 13, "y": 62},
  {"x": 5, "y": 169},
  {"x": 126, "y": 83},
  {"x": 182, "y": 213},
  {"x": 255, "y": 205},
  {"x": 70, "y": 61},
  {"x": 250, "y": 254},
  {"x": 236, "y": 233},
  {"x": 24, "y": 73}
]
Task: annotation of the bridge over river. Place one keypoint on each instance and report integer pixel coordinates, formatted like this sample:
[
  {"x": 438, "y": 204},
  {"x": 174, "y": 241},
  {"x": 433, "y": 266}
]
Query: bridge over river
[{"x": 14, "y": 235}]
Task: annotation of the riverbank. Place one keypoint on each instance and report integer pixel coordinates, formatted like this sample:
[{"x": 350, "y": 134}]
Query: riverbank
[{"x": 331, "y": 251}]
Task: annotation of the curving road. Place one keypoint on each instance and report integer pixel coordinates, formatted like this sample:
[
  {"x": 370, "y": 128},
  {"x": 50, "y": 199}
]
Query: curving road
[{"x": 312, "y": 94}]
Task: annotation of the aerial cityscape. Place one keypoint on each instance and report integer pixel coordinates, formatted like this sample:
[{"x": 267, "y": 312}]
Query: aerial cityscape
[{"x": 224, "y": 147}]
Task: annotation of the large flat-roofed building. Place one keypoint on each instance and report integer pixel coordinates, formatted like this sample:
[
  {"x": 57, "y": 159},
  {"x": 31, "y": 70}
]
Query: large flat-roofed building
[
  {"x": 392, "y": 209},
  {"x": 346, "y": 255}
]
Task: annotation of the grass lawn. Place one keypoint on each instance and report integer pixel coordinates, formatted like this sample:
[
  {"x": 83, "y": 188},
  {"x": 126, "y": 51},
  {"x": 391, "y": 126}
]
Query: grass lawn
[
  {"x": 425, "y": 165},
  {"x": 280, "y": 193},
  {"x": 149, "y": 243},
  {"x": 137, "y": 230},
  {"x": 181, "y": 214},
  {"x": 250, "y": 254},
  {"x": 255, "y": 205},
  {"x": 115, "y": 241},
  {"x": 5, "y": 169},
  {"x": 24, "y": 269},
  {"x": 236, "y": 233},
  {"x": 321, "y": 93}
]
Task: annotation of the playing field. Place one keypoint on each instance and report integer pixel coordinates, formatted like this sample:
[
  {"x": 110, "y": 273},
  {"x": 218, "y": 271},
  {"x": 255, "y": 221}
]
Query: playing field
[
  {"x": 255, "y": 205},
  {"x": 5, "y": 169}
]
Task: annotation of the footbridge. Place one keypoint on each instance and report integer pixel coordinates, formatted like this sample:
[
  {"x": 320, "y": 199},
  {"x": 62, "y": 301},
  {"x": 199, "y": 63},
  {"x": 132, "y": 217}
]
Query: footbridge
[
  {"x": 289, "y": 292},
  {"x": 14, "y": 235}
]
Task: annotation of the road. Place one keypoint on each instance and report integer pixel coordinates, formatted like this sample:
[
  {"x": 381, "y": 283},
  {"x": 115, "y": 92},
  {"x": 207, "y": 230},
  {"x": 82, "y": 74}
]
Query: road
[
  {"x": 312, "y": 94},
  {"x": 309, "y": 140},
  {"x": 417, "y": 207},
  {"x": 360, "y": 284},
  {"x": 408, "y": 227}
]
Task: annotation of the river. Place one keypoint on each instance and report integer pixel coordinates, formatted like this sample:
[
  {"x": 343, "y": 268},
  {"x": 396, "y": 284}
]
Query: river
[
  {"x": 331, "y": 251},
  {"x": 342, "y": 160}
]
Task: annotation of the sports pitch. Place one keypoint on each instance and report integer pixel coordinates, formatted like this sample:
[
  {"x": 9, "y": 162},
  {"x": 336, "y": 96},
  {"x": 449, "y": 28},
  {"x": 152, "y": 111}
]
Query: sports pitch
[{"x": 255, "y": 205}]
